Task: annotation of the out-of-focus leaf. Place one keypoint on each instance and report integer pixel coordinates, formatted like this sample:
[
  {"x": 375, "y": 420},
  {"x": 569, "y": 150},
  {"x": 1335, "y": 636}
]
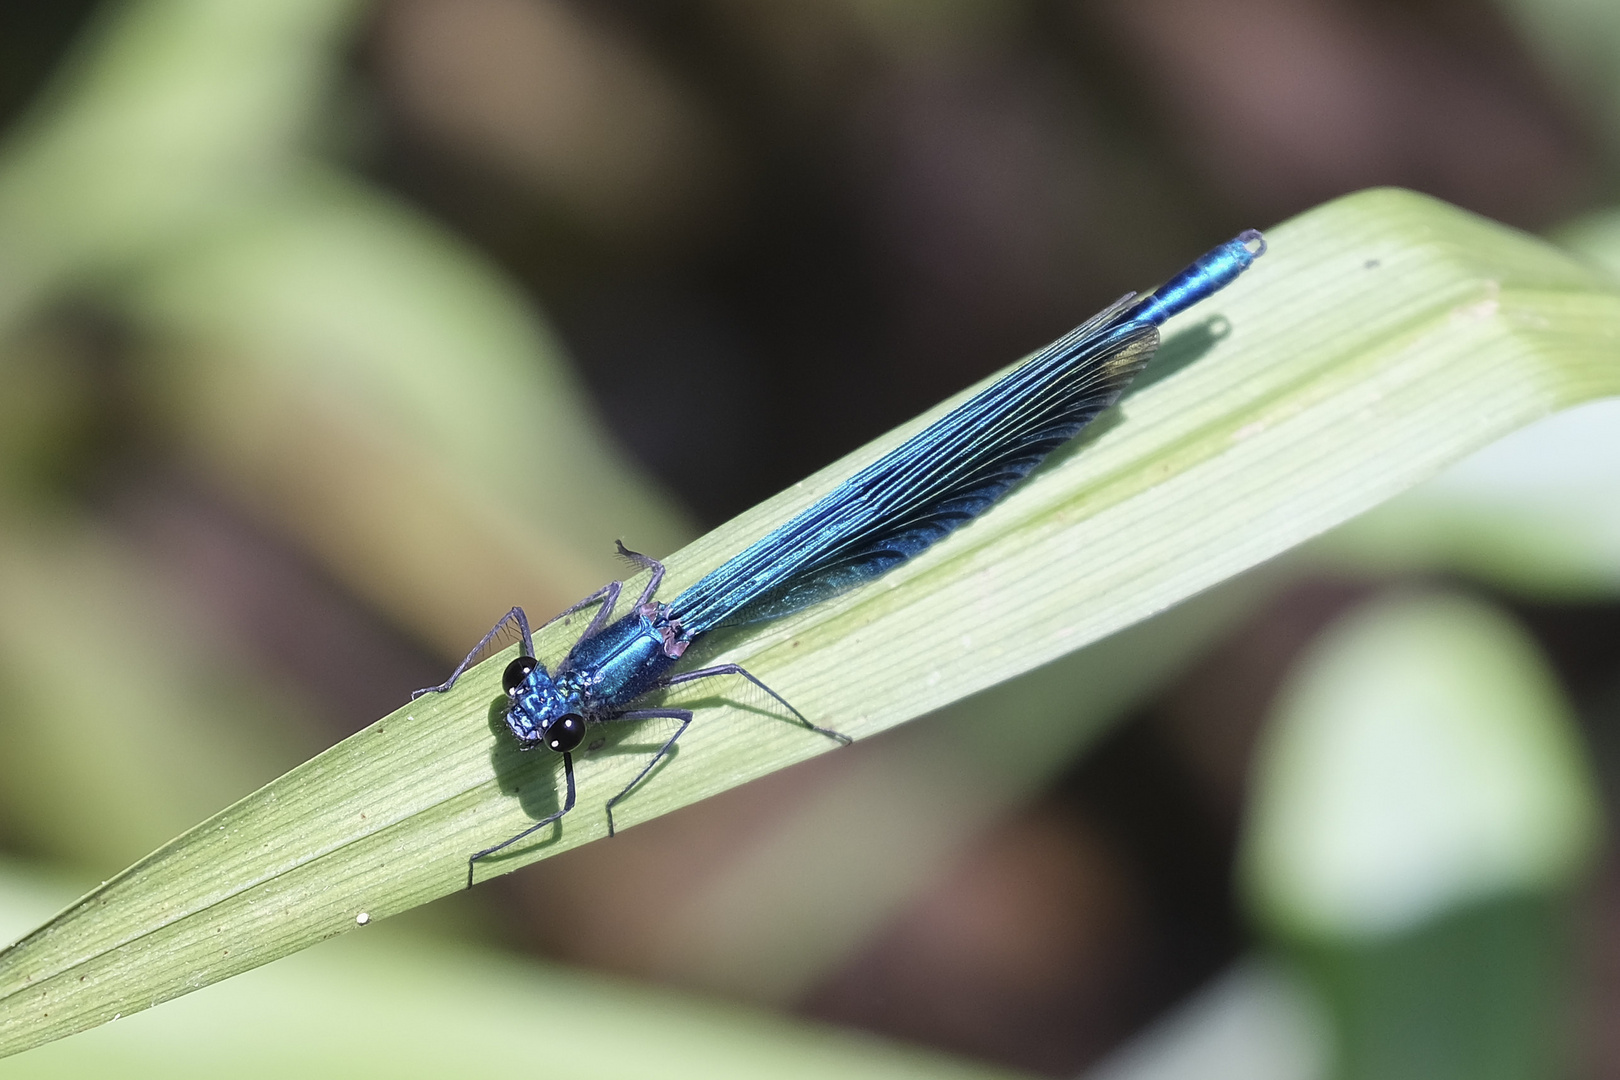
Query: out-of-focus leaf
[
  {"x": 172, "y": 114},
  {"x": 378, "y": 391},
  {"x": 1579, "y": 45},
  {"x": 1423, "y": 759},
  {"x": 1258, "y": 1021},
  {"x": 1420, "y": 813},
  {"x": 1385, "y": 336},
  {"x": 405, "y": 1007},
  {"x": 1595, "y": 236},
  {"x": 350, "y": 372},
  {"x": 1537, "y": 512},
  {"x": 110, "y": 702}
]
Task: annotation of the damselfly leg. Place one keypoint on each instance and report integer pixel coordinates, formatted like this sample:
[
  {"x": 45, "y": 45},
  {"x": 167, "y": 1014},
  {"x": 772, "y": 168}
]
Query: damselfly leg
[
  {"x": 683, "y": 715},
  {"x": 737, "y": 669},
  {"x": 568, "y": 804},
  {"x": 515, "y": 616}
]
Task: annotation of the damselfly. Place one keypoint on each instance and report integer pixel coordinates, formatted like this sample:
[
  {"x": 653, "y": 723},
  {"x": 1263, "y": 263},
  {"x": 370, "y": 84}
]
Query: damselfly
[{"x": 908, "y": 499}]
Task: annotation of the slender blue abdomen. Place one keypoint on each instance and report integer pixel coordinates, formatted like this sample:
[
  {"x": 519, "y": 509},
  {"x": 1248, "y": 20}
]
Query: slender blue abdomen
[{"x": 1209, "y": 275}]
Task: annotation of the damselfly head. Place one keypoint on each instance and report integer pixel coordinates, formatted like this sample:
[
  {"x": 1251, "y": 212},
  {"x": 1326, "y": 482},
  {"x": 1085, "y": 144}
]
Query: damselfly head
[
  {"x": 516, "y": 672},
  {"x": 541, "y": 709}
]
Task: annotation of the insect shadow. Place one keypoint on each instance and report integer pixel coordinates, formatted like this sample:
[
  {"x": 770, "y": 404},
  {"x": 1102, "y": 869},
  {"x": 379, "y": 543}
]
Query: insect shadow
[
  {"x": 534, "y": 775},
  {"x": 1181, "y": 351}
]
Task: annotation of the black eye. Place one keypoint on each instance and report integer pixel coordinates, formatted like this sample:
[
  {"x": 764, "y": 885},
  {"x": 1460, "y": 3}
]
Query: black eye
[
  {"x": 516, "y": 672},
  {"x": 566, "y": 732}
]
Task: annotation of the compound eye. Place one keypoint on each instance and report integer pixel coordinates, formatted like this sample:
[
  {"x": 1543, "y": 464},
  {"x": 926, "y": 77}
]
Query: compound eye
[
  {"x": 566, "y": 732},
  {"x": 516, "y": 672}
]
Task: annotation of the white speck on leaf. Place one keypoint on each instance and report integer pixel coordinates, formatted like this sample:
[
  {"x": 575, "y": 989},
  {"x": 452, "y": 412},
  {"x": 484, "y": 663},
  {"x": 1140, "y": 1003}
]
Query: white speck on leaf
[{"x": 1481, "y": 310}]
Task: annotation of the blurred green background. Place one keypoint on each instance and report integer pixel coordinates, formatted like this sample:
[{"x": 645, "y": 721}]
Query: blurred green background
[{"x": 329, "y": 330}]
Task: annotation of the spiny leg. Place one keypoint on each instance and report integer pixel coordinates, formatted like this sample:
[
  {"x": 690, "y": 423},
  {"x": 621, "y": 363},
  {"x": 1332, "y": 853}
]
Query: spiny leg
[
  {"x": 568, "y": 804},
  {"x": 735, "y": 669},
  {"x": 646, "y": 563},
  {"x": 683, "y": 715},
  {"x": 608, "y": 595},
  {"x": 515, "y": 615}
]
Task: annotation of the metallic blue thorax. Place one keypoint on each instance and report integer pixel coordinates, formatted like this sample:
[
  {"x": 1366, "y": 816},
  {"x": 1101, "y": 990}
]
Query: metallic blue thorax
[{"x": 602, "y": 672}]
